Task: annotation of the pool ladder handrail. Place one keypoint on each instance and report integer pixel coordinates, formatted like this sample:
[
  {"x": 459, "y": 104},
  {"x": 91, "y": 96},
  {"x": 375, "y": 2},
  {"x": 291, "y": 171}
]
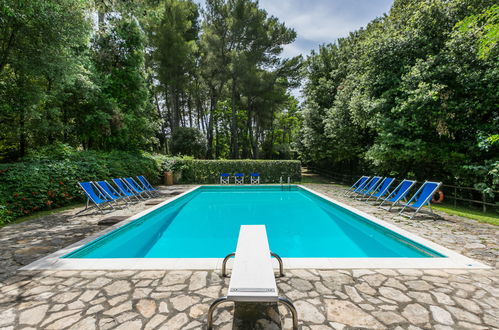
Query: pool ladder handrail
[{"x": 282, "y": 184}]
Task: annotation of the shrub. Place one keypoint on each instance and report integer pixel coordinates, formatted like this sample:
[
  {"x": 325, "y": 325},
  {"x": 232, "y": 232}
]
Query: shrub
[
  {"x": 44, "y": 182},
  {"x": 208, "y": 171},
  {"x": 188, "y": 141}
]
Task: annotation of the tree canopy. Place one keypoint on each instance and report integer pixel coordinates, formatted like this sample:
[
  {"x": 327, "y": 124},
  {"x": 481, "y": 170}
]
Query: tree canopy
[
  {"x": 412, "y": 94},
  {"x": 125, "y": 75}
]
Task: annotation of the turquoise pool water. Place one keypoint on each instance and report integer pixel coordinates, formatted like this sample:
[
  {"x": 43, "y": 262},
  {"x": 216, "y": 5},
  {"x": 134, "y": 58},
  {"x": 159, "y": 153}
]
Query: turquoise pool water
[{"x": 205, "y": 224}]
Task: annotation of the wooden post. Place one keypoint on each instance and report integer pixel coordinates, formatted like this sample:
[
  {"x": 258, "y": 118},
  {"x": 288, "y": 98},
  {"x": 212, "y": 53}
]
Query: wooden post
[
  {"x": 455, "y": 196},
  {"x": 484, "y": 206}
]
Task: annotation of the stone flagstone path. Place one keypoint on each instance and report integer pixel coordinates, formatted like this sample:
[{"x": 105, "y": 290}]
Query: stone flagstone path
[
  {"x": 325, "y": 299},
  {"x": 332, "y": 299}
]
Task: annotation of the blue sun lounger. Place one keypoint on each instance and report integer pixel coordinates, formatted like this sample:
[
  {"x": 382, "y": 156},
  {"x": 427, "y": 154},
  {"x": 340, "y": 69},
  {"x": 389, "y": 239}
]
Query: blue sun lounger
[
  {"x": 398, "y": 194},
  {"x": 381, "y": 190},
  {"x": 111, "y": 193},
  {"x": 358, "y": 184},
  {"x": 369, "y": 188},
  {"x": 95, "y": 196},
  {"x": 147, "y": 186},
  {"x": 125, "y": 189},
  {"x": 362, "y": 187},
  {"x": 421, "y": 198},
  {"x": 136, "y": 187}
]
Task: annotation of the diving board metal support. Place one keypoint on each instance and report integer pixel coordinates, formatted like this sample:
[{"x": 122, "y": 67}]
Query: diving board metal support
[
  {"x": 230, "y": 255},
  {"x": 253, "y": 278}
]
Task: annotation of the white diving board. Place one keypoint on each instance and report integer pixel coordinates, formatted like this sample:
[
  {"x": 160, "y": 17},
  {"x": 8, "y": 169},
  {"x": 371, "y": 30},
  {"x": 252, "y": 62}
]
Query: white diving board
[{"x": 252, "y": 278}]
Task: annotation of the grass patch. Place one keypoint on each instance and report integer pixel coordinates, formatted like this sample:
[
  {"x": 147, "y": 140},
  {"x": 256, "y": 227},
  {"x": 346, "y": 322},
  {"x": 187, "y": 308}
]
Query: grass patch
[
  {"x": 314, "y": 179},
  {"x": 41, "y": 214},
  {"x": 488, "y": 217}
]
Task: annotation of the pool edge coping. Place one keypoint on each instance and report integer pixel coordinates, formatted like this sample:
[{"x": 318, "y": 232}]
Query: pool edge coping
[{"x": 453, "y": 260}]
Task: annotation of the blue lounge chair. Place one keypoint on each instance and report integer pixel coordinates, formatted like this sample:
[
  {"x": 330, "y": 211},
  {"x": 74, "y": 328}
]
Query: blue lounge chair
[
  {"x": 239, "y": 178},
  {"x": 359, "y": 183},
  {"x": 136, "y": 187},
  {"x": 111, "y": 193},
  {"x": 361, "y": 187},
  {"x": 255, "y": 178},
  {"x": 95, "y": 196},
  {"x": 147, "y": 186},
  {"x": 398, "y": 194},
  {"x": 382, "y": 189},
  {"x": 224, "y": 178},
  {"x": 125, "y": 189},
  {"x": 369, "y": 188},
  {"x": 421, "y": 198}
]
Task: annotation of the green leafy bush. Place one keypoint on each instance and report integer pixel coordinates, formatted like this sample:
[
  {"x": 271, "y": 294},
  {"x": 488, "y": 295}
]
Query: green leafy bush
[
  {"x": 47, "y": 181},
  {"x": 188, "y": 141},
  {"x": 208, "y": 171}
]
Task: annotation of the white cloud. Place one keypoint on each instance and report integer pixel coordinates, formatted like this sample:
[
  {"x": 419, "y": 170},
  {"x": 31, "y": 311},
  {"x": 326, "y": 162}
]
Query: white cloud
[
  {"x": 292, "y": 50},
  {"x": 323, "y": 21}
]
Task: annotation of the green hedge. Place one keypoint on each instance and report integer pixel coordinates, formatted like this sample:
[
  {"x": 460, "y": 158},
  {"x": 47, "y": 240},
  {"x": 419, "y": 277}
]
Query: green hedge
[
  {"x": 49, "y": 179},
  {"x": 44, "y": 183},
  {"x": 208, "y": 171}
]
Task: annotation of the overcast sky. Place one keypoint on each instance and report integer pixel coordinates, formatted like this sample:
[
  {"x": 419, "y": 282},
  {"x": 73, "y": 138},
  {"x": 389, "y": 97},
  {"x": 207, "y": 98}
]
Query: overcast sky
[{"x": 323, "y": 21}]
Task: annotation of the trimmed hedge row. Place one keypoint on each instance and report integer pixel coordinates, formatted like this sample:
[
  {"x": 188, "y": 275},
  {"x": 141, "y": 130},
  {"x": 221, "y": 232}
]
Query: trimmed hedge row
[
  {"x": 208, "y": 171},
  {"x": 43, "y": 184},
  {"x": 50, "y": 181}
]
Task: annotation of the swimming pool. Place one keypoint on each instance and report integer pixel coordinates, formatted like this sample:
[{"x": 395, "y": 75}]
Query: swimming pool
[
  {"x": 196, "y": 229},
  {"x": 205, "y": 224}
]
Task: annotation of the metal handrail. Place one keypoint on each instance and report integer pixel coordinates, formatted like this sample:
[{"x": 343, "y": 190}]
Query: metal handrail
[
  {"x": 281, "y": 266},
  {"x": 224, "y": 264},
  {"x": 272, "y": 254},
  {"x": 284, "y": 301},
  {"x": 217, "y": 302},
  {"x": 291, "y": 307}
]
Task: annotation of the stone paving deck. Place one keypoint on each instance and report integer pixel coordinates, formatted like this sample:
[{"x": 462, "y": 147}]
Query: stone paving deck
[{"x": 325, "y": 299}]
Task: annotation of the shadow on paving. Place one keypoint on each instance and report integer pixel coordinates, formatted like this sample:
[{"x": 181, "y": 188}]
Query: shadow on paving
[{"x": 25, "y": 242}]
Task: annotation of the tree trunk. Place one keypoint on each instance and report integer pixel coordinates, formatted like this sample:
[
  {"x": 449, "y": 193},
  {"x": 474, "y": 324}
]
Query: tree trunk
[
  {"x": 234, "y": 147},
  {"x": 100, "y": 20},
  {"x": 6, "y": 50},
  {"x": 217, "y": 150},
  {"x": 162, "y": 137},
  {"x": 209, "y": 132},
  {"x": 22, "y": 132},
  {"x": 174, "y": 112},
  {"x": 189, "y": 110},
  {"x": 250, "y": 133},
  {"x": 252, "y": 141}
]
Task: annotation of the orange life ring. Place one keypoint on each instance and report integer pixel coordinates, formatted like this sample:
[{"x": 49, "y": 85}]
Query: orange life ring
[{"x": 440, "y": 197}]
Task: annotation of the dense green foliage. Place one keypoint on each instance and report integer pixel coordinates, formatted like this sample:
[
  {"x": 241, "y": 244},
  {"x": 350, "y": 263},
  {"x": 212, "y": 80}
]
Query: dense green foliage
[
  {"x": 49, "y": 179},
  {"x": 125, "y": 75},
  {"x": 188, "y": 141},
  {"x": 413, "y": 94},
  {"x": 208, "y": 171},
  {"x": 63, "y": 81}
]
